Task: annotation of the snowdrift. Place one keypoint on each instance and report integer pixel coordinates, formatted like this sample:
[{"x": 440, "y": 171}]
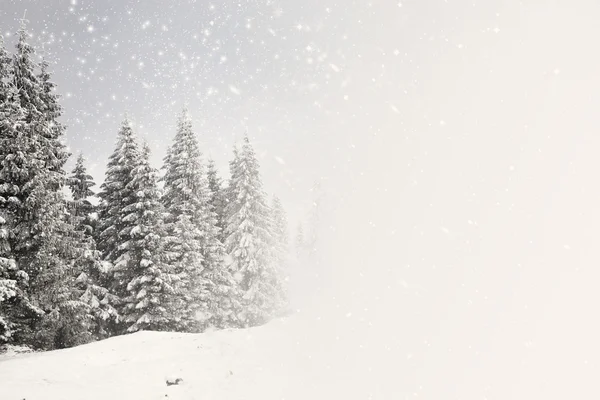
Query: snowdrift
[{"x": 277, "y": 361}]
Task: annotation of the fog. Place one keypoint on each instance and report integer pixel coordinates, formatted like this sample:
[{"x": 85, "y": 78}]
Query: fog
[{"x": 461, "y": 248}]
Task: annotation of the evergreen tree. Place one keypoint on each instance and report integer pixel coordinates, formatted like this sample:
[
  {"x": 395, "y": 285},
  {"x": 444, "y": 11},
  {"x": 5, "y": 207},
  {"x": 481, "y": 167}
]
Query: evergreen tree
[
  {"x": 31, "y": 182},
  {"x": 11, "y": 115},
  {"x": 8, "y": 283},
  {"x": 217, "y": 198},
  {"x": 117, "y": 194},
  {"x": 5, "y": 70},
  {"x": 113, "y": 230},
  {"x": 57, "y": 154},
  {"x": 66, "y": 320},
  {"x": 280, "y": 225},
  {"x": 12, "y": 281},
  {"x": 228, "y": 193},
  {"x": 81, "y": 183},
  {"x": 183, "y": 201},
  {"x": 92, "y": 290},
  {"x": 152, "y": 283},
  {"x": 193, "y": 245},
  {"x": 24, "y": 164},
  {"x": 224, "y": 302},
  {"x": 249, "y": 243},
  {"x": 93, "y": 279}
]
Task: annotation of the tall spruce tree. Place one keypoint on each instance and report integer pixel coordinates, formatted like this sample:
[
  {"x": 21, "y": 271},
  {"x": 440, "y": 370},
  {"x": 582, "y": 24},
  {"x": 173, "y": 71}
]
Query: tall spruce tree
[
  {"x": 25, "y": 169},
  {"x": 81, "y": 183},
  {"x": 184, "y": 200},
  {"x": 31, "y": 182},
  {"x": 92, "y": 289},
  {"x": 113, "y": 228},
  {"x": 116, "y": 194},
  {"x": 217, "y": 198},
  {"x": 280, "y": 225},
  {"x": 93, "y": 278},
  {"x": 12, "y": 289},
  {"x": 57, "y": 154},
  {"x": 224, "y": 301},
  {"x": 5, "y": 71},
  {"x": 152, "y": 285},
  {"x": 8, "y": 118},
  {"x": 13, "y": 300},
  {"x": 249, "y": 243},
  {"x": 8, "y": 282},
  {"x": 193, "y": 246}
]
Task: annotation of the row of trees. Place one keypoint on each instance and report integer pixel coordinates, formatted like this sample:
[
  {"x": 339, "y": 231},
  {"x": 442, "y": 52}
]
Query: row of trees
[{"x": 186, "y": 255}]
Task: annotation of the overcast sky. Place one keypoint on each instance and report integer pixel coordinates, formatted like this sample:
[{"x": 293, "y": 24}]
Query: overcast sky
[
  {"x": 459, "y": 145},
  {"x": 284, "y": 71}
]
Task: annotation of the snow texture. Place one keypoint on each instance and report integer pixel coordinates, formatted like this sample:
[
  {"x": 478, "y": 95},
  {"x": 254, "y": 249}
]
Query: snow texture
[{"x": 269, "y": 362}]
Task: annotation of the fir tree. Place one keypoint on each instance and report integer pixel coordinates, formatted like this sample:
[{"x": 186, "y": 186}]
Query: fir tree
[
  {"x": 93, "y": 279},
  {"x": 13, "y": 281},
  {"x": 224, "y": 302},
  {"x": 81, "y": 183},
  {"x": 113, "y": 228},
  {"x": 5, "y": 70},
  {"x": 31, "y": 182},
  {"x": 117, "y": 194},
  {"x": 12, "y": 298},
  {"x": 151, "y": 303},
  {"x": 26, "y": 80},
  {"x": 249, "y": 243},
  {"x": 92, "y": 290},
  {"x": 66, "y": 320},
  {"x": 228, "y": 193},
  {"x": 42, "y": 111},
  {"x": 280, "y": 225},
  {"x": 8, "y": 283},
  {"x": 24, "y": 162},
  {"x": 193, "y": 246},
  {"x": 217, "y": 198},
  {"x": 53, "y": 133},
  {"x": 183, "y": 201}
]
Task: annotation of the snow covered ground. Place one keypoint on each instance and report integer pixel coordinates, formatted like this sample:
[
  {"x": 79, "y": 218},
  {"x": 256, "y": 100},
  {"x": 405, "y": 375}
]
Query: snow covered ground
[{"x": 270, "y": 362}]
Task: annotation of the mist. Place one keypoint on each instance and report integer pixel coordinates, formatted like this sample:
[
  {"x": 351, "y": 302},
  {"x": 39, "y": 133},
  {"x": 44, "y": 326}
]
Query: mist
[{"x": 459, "y": 252}]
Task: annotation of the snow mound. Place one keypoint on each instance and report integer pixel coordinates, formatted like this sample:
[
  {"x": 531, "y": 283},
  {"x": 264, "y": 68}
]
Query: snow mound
[{"x": 275, "y": 361}]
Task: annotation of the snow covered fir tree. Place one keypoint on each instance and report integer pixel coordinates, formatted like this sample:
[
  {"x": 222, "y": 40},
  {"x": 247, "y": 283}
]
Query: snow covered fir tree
[
  {"x": 172, "y": 249},
  {"x": 193, "y": 245},
  {"x": 250, "y": 242},
  {"x": 38, "y": 237}
]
